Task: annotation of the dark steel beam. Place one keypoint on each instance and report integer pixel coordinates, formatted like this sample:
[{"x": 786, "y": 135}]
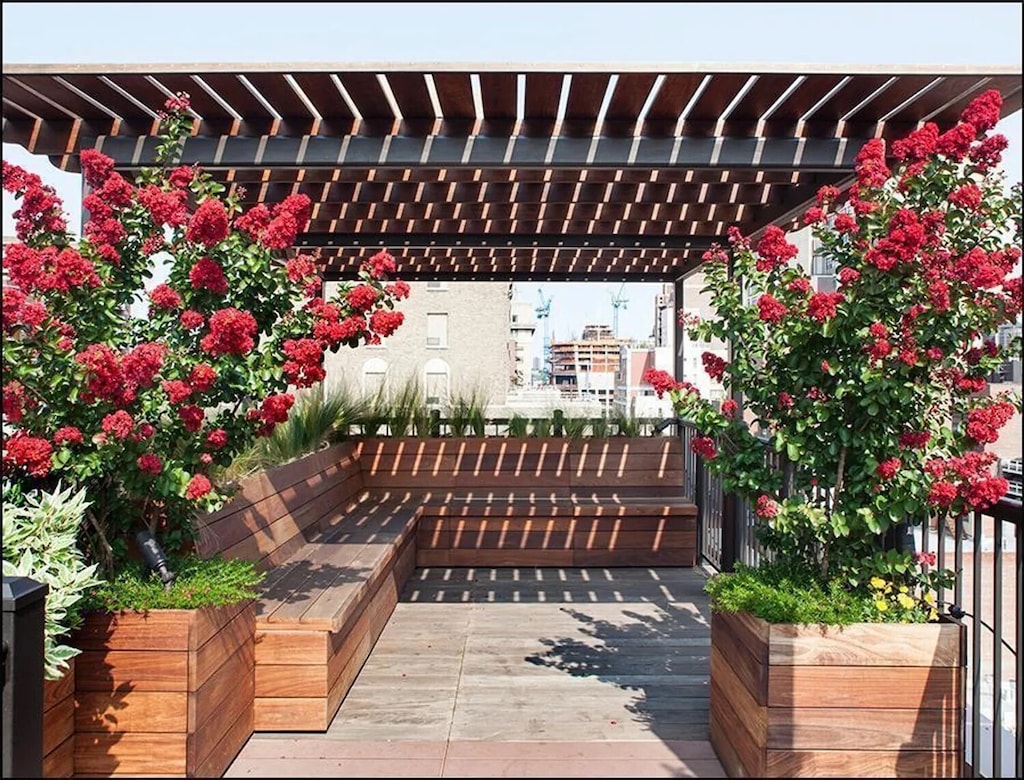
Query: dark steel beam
[
  {"x": 349, "y": 271},
  {"x": 233, "y": 152},
  {"x": 499, "y": 241}
]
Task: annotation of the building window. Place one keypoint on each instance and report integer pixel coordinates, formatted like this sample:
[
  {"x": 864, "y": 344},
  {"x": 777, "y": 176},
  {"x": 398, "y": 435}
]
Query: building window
[
  {"x": 822, "y": 264},
  {"x": 374, "y": 377},
  {"x": 437, "y": 330},
  {"x": 437, "y": 285},
  {"x": 436, "y": 382}
]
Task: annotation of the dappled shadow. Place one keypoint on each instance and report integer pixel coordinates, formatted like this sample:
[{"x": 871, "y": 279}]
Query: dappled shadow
[{"x": 661, "y": 656}]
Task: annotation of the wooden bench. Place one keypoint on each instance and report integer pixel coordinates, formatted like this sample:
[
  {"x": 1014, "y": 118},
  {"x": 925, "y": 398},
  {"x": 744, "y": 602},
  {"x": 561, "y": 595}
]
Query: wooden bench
[
  {"x": 336, "y": 559},
  {"x": 539, "y": 502},
  {"x": 339, "y": 533}
]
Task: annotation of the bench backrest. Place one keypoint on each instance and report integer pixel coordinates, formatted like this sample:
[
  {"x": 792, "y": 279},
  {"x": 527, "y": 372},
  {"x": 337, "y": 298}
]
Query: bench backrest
[
  {"x": 274, "y": 512},
  {"x": 650, "y": 466}
]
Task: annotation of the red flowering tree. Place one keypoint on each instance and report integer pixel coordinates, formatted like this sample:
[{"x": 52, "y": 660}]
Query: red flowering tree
[
  {"x": 875, "y": 392},
  {"x": 139, "y": 410}
]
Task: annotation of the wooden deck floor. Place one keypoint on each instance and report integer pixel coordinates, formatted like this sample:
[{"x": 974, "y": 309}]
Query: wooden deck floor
[{"x": 522, "y": 673}]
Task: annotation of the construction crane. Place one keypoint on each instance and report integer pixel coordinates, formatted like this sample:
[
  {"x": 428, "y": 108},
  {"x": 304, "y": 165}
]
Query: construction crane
[
  {"x": 543, "y": 312},
  {"x": 618, "y": 302}
]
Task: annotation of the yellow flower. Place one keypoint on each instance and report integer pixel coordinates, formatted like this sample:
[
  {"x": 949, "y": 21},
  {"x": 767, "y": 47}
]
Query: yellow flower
[
  {"x": 877, "y": 583},
  {"x": 905, "y": 601},
  {"x": 903, "y": 589},
  {"x": 929, "y": 597},
  {"x": 882, "y": 606}
]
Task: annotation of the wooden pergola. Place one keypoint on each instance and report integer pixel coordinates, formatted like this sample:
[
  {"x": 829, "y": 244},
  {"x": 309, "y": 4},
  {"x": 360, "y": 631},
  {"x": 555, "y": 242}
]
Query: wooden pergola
[{"x": 504, "y": 172}]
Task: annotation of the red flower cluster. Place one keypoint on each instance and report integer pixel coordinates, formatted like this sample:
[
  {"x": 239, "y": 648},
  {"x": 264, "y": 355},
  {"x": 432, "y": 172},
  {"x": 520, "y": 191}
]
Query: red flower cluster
[
  {"x": 166, "y": 207},
  {"x": 197, "y": 487},
  {"x": 48, "y": 269},
  {"x": 384, "y": 323},
  {"x": 207, "y": 275},
  {"x": 967, "y": 477},
  {"x": 785, "y": 400},
  {"x": 192, "y": 416},
  {"x": 69, "y": 434},
  {"x": 217, "y": 439},
  {"x": 272, "y": 411},
  {"x": 916, "y": 440},
  {"x": 380, "y": 265},
  {"x": 119, "y": 424},
  {"x": 191, "y": 319},
  {"x": 767, "y": 507},
  {"x": 770, "y": 309},
  {"x": 202, "y": 377},
  {"x": 983, "y": 424},
  {"x": 163, "y": 296},
  {"x": 15, "y": 401},
  {"x": 845, "y": 223},
  {"x": 822, "y": 306},
  {"x": 283, "y": 223},
  {"x": 918, "y": 145},
  {"x": 362, "y": 297},
  {"x": 209, "y": 225},
  {"x": 773, "y": 250},
  {"x": 714, "y": 366},
  {"x": 705, "y": 447},
  {"x": 30, "y": 453},
  {"x": 177, "y": 391},
  {"x": 41, "y": 210},
  {"x": 149, "y": 463},
  {"x": 729, "y": 407},
  {"x": 966, "y": 197},
  {"x": 231, "y": 333},
  {"x": 300, "y": 268},
  {"x": 870, "y": 164},
  {"x": 397, "y": 290},
  {"x": 800, "y": 285},
  {"x": 983, "y": 111},
  {"x": 304, "y": 366},
  {"x": 663, "y": 382},
  {"x": 888, "y": 469}
]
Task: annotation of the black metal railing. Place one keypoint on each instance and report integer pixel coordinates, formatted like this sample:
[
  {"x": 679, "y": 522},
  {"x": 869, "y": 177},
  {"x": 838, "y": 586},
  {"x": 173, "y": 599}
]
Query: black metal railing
[{"x": 983, "y": 551}]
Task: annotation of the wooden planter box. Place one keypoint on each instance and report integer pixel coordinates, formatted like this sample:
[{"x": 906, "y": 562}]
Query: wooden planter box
[
  {"x": 59, "y": 725},
  {"x": 866, "y": 700},
  {"x": 164, "y": 692}
]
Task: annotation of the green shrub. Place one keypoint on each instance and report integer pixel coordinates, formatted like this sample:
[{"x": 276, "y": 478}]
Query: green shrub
[
  {"x": 406, "y": 410},
  {"x": 198, "y": 582},
  {"x": 575, "y": 427},
  {"x": 518, "y": 425},
  {"x": 599, "y": 427},
  {"x": 466, "y": 414},
  {"x": 40, "y": 532},
  {"x": 782, "y": 594}
]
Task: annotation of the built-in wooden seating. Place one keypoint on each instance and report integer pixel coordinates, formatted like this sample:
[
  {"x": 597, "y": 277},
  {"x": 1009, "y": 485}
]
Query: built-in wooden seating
[
  {"x": 338, "y": 534},
  {"x": 336, "y": 559},
  {"x": 540, "y": 502}
]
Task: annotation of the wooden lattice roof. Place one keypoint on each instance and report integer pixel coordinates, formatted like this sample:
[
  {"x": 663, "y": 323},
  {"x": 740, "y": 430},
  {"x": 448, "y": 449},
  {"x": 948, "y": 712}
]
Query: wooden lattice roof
[{"x": 505, "y": 171}]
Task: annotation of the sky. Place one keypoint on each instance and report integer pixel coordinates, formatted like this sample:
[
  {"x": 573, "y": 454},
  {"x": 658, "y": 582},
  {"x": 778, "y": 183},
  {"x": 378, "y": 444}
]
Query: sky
[{"x": 906, "y": 34}]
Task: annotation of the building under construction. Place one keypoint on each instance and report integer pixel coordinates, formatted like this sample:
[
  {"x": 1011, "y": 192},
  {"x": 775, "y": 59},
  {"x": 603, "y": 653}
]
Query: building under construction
[{"x": 585, "y": 369}]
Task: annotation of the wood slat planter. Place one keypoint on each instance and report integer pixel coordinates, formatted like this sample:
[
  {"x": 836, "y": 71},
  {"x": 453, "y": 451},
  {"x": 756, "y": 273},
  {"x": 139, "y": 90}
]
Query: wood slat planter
[
  {"x": 59, "y": 725},
  {"x": 866, "y": 700},
  {"x": 164, "y": 692}
]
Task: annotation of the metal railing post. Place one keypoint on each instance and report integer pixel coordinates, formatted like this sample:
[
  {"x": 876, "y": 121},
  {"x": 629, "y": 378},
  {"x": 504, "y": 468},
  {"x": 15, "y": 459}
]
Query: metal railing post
[{"x": 24, "y": 619}]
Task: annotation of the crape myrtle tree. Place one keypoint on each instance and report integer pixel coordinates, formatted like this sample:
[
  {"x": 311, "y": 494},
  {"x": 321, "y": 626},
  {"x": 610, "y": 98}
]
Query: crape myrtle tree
[
  {"x": 875, "y": 395},
  {"x": 140, "y": 410}
]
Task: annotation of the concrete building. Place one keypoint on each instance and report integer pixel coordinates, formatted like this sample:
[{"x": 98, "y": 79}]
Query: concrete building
[
  {"x": 455, "y": 341},
  {"x": 586, "y": 368},
  {"x": 523, "y": 325}
]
